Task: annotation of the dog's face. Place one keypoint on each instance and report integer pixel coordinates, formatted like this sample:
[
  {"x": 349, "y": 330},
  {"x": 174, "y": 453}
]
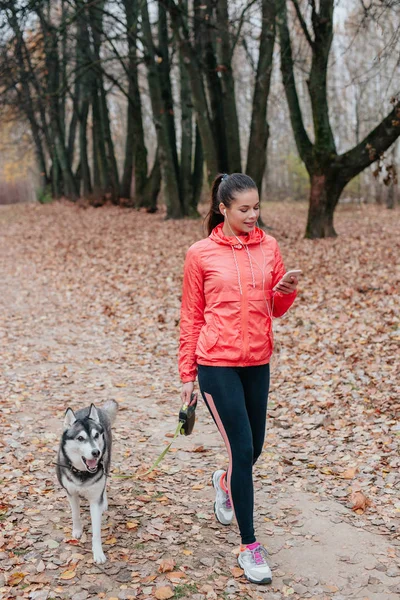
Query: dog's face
[{"x": 84, "y": 440}]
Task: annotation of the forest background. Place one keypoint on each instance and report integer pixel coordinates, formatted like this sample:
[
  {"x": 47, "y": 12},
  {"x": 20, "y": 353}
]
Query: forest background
[{"x": 142, "y": 103}]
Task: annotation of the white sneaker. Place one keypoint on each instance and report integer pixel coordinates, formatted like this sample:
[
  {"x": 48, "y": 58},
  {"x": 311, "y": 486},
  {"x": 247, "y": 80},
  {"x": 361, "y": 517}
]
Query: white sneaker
[
  {"x": 222, "y": 506},
  {"x": 254, "y": 564}
]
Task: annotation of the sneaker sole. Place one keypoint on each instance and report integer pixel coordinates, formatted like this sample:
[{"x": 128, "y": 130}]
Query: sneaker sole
[
  {"x": 264, "y": 581},
  {"x": 215, "y": 512}
]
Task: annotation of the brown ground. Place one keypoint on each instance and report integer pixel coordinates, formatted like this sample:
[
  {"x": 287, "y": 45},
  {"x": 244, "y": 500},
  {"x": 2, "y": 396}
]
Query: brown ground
[{"x": 89, "y": 309}]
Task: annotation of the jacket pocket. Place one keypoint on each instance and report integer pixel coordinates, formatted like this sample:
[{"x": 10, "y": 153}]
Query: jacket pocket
[{"x": 260, "y": 325}]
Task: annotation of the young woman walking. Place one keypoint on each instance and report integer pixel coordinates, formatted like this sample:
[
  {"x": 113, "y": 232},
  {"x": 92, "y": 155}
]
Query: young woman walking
[{"x": 232, "y": 289}]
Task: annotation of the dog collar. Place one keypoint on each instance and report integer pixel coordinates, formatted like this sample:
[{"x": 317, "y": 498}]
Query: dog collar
[{"x": 81, "y": 474}]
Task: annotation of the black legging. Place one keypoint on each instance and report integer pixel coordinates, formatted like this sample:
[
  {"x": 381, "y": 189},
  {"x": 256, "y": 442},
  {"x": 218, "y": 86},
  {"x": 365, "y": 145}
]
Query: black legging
[{"x": 237, "y": 400}]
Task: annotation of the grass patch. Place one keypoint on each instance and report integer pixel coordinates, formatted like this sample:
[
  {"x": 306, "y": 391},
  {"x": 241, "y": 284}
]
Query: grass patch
[
  {"x": 139, "y": 546},
  {"x": 185, "y": 589},
  {"x": 20, "y": 551},
  {"x": 44, "y": 196}
]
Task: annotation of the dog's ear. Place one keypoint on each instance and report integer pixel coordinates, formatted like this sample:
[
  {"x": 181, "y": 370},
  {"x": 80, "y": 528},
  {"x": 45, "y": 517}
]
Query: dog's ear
[
  {"x": 69, "y": 418},
  {"x": 93, "y": 414}
]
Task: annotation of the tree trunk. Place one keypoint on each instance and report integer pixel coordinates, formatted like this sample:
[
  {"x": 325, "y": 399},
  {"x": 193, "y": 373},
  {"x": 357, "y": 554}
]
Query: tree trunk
[
  {"x": 84, "y": 163},
  {"x": 101, "y": 108},
  {"x": 55, "y": 179},
  {"x": 126, "y": 182},
  {"x": 57, "y": 128},
  {"x": 166, "y": 153},
  {"x": 198, "y": 171},
  {"x": 224, "y": 57},
  {"x": 205, "y": 40},
  {"x": 152, "y": 188},
  {"x": 164, "y": 69},
  {"x": 259, "y": 130},
  {"x": 100, "y": 179},
  {"x": 324, "y": 195},
  {"x": 186, "y": 137},
  {"x": 135, "y": 166},
  {"x": 197, "y": 88}
]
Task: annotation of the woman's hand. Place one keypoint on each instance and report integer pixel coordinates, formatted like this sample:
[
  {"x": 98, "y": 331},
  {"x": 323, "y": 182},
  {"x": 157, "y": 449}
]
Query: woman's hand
[
  {"x": 287, "y": 287},
  {"x": 187, "y": 390}
]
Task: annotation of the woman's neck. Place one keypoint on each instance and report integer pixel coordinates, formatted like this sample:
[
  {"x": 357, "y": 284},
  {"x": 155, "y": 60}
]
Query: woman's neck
[{"x": 229, "y": 232}]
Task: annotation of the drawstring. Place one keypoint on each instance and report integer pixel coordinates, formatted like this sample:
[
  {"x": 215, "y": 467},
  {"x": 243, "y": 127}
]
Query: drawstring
[
  {"x": 253, "y": 279},
  {"x": 269, "y": 308}
]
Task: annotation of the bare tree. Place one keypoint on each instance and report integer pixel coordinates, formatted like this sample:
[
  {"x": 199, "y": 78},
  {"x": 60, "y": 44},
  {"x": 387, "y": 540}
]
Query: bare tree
[{"x": 329, "y": 171}]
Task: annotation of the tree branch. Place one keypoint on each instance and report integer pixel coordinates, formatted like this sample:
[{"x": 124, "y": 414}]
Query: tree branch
[
  {"x": 303, "y": 143},
  {"x": 372, "y": 146},
  {"x": 241, "y": 21},
  {"x": 303, "y": 23}
]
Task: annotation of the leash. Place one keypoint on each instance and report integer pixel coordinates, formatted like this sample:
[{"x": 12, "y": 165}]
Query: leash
[
  {"x": 186, "y": 421},
  {"x": 158, "y": 459}
]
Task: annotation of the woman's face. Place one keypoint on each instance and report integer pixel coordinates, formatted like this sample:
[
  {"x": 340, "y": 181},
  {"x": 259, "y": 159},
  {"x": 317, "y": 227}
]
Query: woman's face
[{"x": 241, "y": 217}]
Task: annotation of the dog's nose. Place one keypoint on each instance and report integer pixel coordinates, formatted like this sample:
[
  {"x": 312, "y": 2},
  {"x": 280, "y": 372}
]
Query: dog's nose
[{"x": 95, "y": 453}]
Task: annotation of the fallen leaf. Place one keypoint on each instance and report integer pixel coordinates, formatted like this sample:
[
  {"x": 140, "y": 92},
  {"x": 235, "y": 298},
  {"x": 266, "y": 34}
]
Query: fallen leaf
[
  {"x": 132, "y": 524},
  {"x": 163, "y": 593},
  {"x": 110, "y": 541},
  {"x": 149, "y": 578},
  {"x": 360, "y": 502},
  {"x": 349, "y": 473},
  {"x": 40, "y": 567},
  {"x": 237, "y": 572},
  {"x": 15, "y": 578},
  {"x": 175, "y": 575},
  {"x": 326, "y": 471},
  {"x": 166, "y": 565},
  {"x": 68, "y": 575}
]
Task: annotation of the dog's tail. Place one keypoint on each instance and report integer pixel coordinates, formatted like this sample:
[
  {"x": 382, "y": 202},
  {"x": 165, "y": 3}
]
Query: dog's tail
[{"x": 110, "y": 408}]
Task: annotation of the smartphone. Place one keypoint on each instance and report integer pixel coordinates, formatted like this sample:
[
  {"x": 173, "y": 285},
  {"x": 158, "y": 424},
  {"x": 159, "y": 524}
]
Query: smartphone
[{"x": 287, "y": 276}]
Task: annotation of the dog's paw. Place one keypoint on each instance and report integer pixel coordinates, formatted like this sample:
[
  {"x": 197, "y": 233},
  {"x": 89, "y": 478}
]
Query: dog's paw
[
  {"x": 77, "y": 532},
  {"x": 98, "y": 556}
]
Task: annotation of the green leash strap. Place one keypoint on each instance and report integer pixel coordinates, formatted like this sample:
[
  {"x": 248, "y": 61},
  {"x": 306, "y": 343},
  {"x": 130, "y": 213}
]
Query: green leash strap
[{"x": 159, "y": 458}]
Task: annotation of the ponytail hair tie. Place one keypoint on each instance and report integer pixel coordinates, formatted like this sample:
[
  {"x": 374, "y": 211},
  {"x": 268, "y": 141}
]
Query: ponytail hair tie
[{"x": 224, "y": 176}]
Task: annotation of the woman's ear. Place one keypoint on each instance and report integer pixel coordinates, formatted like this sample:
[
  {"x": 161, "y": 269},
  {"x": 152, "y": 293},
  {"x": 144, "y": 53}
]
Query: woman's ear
[{"x": 222, "y": 208}]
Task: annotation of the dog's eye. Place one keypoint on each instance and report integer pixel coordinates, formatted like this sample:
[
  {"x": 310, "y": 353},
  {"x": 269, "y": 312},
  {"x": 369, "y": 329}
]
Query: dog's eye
[
  {"x": 96, "y": 435},
  {"x": 81, "y": 438}
]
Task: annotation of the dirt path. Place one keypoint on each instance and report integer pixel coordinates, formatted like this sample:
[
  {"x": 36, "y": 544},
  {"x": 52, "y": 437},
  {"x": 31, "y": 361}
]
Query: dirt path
[{"x": 89, "y": 306}]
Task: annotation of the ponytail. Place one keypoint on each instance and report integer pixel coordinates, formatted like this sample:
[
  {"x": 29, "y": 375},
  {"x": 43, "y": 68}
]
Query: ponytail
[
  {"x": 214, "y": 216},
  {"x": 223, "y": 190}
]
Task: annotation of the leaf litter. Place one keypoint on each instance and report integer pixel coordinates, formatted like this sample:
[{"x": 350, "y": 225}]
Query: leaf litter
[{"x": 90, "y": 310}]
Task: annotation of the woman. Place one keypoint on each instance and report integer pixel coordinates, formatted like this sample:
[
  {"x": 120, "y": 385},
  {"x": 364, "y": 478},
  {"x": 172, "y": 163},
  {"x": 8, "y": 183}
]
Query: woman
[{"x": 231, "y": 291}]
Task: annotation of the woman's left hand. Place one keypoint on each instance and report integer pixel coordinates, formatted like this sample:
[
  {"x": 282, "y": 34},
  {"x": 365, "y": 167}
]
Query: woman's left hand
[{"x": 286, "y": 287}]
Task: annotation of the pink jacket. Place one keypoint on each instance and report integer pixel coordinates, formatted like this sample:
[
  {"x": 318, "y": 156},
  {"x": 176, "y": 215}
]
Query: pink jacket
[{"x": 228, "y": 301}]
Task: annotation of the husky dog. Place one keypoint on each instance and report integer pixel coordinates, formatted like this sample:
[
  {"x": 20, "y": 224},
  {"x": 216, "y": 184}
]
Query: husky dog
[{"x": 83, "y": 465}]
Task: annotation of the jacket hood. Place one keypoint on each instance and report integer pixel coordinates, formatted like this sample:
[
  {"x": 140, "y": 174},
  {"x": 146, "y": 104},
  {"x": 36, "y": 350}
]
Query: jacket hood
[{"x": 255, "y": 236}]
